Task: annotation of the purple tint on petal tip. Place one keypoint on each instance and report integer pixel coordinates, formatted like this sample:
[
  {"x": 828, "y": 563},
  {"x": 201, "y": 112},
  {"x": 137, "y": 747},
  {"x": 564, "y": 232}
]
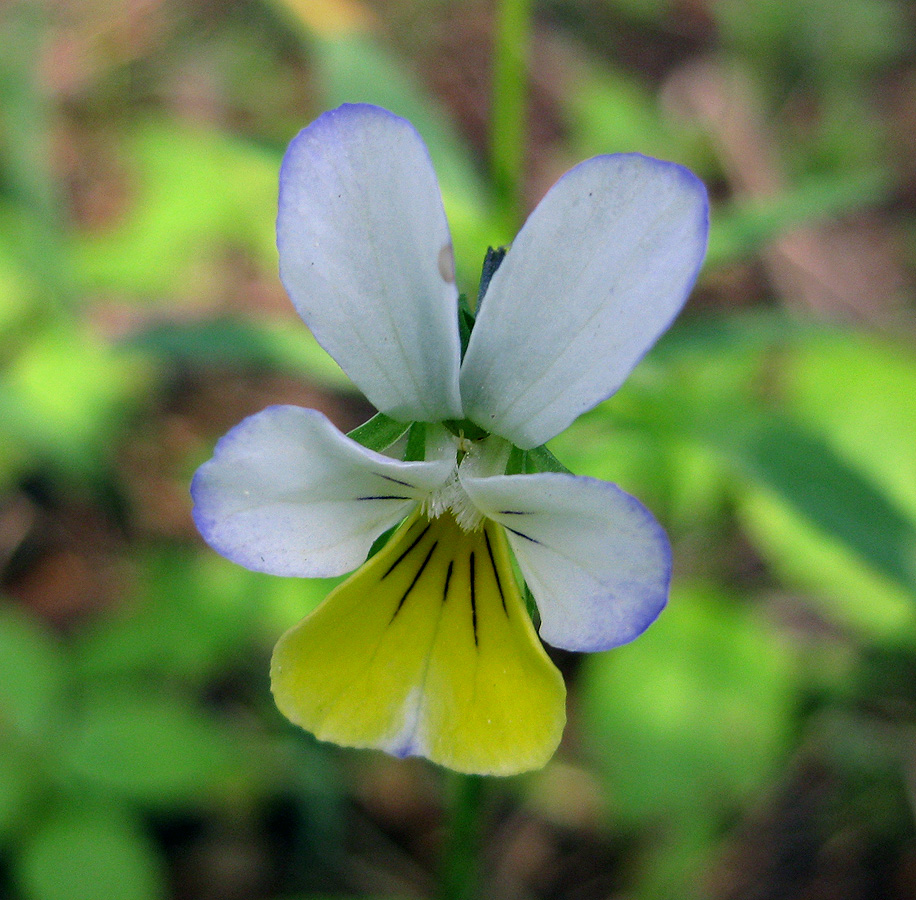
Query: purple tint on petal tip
[
  {"x": 702, "y": 226},
  {"x": 402, "y": 751},
  {"x": 654, "y": 595},
  {"x": 325, "y": 126},
  {"x": 609, "y": 257},
  {"x": 360, "y": 237}
]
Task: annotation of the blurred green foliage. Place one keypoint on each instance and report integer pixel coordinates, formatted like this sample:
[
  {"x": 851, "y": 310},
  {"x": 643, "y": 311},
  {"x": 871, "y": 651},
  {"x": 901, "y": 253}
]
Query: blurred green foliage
[{"x": 777, "y": 448}]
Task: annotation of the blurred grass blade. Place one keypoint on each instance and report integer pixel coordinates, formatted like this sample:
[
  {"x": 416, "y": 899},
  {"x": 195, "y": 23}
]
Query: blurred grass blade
[
  {"x": 706, "y": 387},
  {"x": 26, "y": 146},
  {"x": 807, "y": 473},
  {"x": 745, "y": 227},
  {"x": 509, "y": 114},
  {"x": 283, "y": 346}
]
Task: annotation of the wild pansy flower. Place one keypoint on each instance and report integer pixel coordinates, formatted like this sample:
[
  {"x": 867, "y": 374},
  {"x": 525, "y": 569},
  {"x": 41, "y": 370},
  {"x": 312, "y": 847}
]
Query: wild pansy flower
[{"x": 428, "y": 649}]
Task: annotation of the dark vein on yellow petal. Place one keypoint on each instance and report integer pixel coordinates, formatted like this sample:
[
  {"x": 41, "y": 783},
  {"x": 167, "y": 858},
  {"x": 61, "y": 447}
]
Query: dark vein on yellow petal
[
  {"x": 514, "y": 512},
  {"x": 473, "y": 600},
  {"x": 397, "y": 562},
  {"x": 416, "y": 578},
  {"x": 383, "y": 497},
  {"x": 448, "y": 578},
  {"x": 499, "y": 584}
]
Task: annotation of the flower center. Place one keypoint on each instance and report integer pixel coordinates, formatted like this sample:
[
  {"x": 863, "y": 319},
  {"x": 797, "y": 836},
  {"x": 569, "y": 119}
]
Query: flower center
[
  {"x": 486, "y": 456},
  {"x": 452, "y": 498}
]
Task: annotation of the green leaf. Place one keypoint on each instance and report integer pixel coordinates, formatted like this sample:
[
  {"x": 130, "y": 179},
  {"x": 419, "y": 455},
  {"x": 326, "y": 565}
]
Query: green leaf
[
  {"x": 686, "y": 725},
  {"x": 711, "y": 387},
  {"x": 379, "y": 433},
  {"x": 855, "y": 393},
  {"x": 32, "y": 676},
  {"x": 90, "y": 854},
  {"x": 152, "y": 748},
  {"x": 18, "y": 785},
  {"x": 516, "y": 463},
  {"x": 539, "y": 459},
  {"x": 189, "y": 618},
  {"x": 182, "y": 218},
  {"x": 283, "y": 346},
  {"x": 66, "y": 395},
  {"x": 840, "y": 584},
  {"x": 835, "y": 496},
  {"x": 18, "y": 287},
  {"x": 193, "y": 618},
  {"x": 694, "y": 716}
]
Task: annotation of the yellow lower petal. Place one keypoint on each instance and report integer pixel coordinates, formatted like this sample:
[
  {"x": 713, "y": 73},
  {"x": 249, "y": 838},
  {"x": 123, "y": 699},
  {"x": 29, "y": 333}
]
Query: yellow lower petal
[{"x": 427, "y": 650}]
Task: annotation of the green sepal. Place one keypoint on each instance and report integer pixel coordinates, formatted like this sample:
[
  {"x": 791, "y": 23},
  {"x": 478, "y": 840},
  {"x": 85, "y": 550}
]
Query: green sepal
[
  {"x": 540, "y": 459},
  {"x": 516, "y": 462},
  {"x": 531, "y": 605},
  {"x": 466, "y": 315},
  {"x": 491, "y": 263},
  {"x": 529, "y": 462},
  {"x": 381, "y": 540},
  {"x": 379, "y": 433},
  {"x": 416, "y": 443},
  {"x": 465, "y": 428},
  {"x": 465, "y": 322}
]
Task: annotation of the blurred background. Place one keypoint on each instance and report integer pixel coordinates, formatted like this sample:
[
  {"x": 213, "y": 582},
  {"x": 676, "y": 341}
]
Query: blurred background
[{"x": 756, "y": 743}]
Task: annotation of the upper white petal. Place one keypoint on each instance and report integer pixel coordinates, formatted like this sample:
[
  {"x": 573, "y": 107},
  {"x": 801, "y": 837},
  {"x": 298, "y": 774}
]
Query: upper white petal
[
  {"x": 597, "y": 562},
  {"x": 288, "y": 494},
  {"x": 598, "y": 272},
  {"x": 366, "y": 257}
]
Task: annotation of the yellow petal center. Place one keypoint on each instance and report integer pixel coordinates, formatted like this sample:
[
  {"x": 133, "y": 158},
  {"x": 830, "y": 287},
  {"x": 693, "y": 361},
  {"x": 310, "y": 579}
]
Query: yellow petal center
[{"x": 427, "y": 650}]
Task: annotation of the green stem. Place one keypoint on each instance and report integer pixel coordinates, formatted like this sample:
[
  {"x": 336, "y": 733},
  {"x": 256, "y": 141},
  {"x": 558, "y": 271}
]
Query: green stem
[
  {"x": 28, "y": 125},
  {"x": 461, "y": 864},
  {"x": 508, "y": 119}
]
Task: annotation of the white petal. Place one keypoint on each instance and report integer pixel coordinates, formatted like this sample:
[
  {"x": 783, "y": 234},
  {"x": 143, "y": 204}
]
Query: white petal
[
  {"x": 597, "y": 273},
  {"x": 366, "y": 257},
  {"x": 597, "y": 562},
  {"x": 287, "y": 493}
]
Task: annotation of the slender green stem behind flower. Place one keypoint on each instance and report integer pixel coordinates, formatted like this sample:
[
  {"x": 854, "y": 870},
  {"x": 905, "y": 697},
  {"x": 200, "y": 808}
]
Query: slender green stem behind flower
[
  {"x": 461, "y": 857},
  {"x": 509, "y": 119}
]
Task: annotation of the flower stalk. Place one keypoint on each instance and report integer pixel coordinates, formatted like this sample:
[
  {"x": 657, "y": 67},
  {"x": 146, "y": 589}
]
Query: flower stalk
[
  {"x": 509, "y": 113},
  {"x": 461, "y": 860}
]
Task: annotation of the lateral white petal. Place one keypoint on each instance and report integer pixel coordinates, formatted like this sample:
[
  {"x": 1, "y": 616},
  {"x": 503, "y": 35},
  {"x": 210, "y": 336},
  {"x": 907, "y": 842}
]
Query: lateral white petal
[
  {"x": 288, "y": 494},
  {"x": 598, "y": 272},
  {"x": 366, "y": 257},
  {"x": 597, "y": 562}
]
